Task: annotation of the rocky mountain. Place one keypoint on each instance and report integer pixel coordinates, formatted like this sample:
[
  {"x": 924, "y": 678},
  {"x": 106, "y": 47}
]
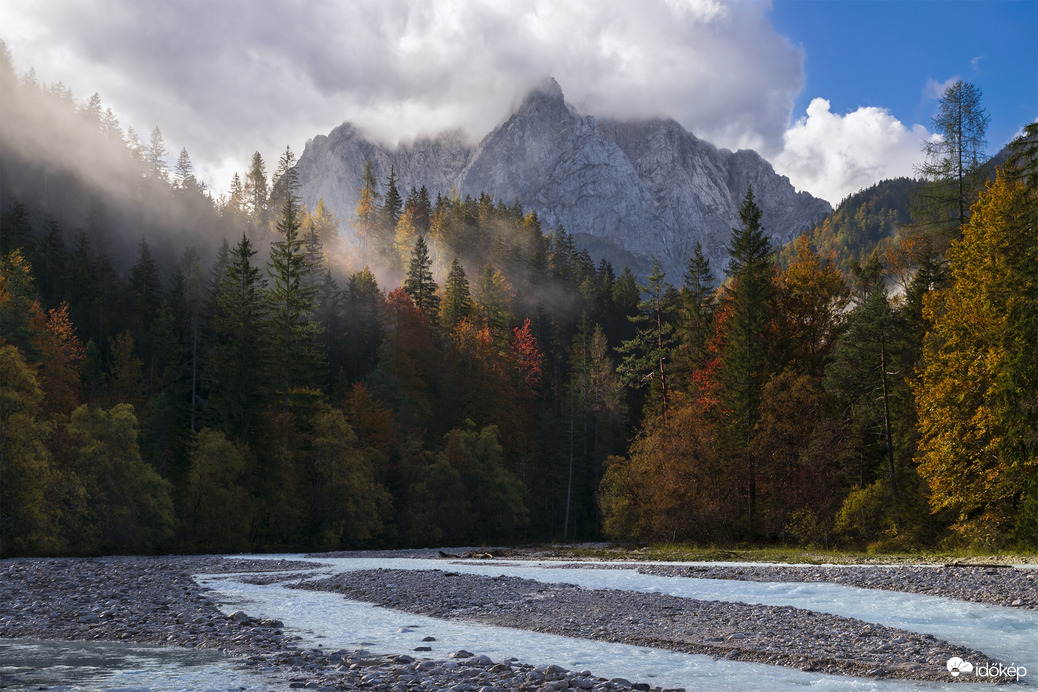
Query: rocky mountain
[{"x": 628, "y": 191}]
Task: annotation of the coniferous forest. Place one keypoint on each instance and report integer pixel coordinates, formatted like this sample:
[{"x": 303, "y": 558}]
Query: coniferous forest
[{"x": 182, "y": 371}]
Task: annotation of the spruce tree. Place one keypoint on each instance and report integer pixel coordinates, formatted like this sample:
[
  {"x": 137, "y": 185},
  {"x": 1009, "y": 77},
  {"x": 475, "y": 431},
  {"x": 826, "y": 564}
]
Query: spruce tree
[
  {"x": 698, "y": 308},
  {"x": 457, "y": 301},
  {"x": 647, "y": 357},
  {"x": 744, "y": 366},
  {"x": 297, "y": 358},
  {"x": 239, "y": 360},
  {"x": 419, "y": 283}
]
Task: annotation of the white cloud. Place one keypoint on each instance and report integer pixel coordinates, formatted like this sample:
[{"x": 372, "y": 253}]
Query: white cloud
[
  {"x": 832, "y": 155},
  {"x": 935, "y": 90},
  {"x": 227, "y": 77}
]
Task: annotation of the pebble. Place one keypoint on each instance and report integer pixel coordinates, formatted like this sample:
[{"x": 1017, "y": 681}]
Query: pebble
[
  {"x": 779, "y": 635},
  {"x": 159, "y": 603}
]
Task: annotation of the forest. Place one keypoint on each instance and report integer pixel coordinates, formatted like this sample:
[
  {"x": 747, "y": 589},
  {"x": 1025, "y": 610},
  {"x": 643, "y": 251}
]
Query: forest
[{"x": 181, "y": 371}]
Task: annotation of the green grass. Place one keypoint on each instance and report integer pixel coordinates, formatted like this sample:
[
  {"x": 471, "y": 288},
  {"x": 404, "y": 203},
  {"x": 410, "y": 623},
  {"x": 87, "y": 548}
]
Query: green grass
[{"x": 693, "y": 553}]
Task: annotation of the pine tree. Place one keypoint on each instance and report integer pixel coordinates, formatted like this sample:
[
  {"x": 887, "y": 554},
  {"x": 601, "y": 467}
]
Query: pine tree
[
  {"x": 647, "y": 357},
  {"x": 155, "y": 156},
  {"x": 457, "y": 301},
  {"x": 744, "y": 366},
  {"x": 239, "y": 362},
  {"x": 256, "y": 191},
  {"x": 420, "y": 284},
  {"x": 365, "y": 219},
  {"x": 184, "y": 179},
  {"x": 697, "y": 309},
  {"x": 297, "y": 358},
  {"x": 394, "y": 204}
]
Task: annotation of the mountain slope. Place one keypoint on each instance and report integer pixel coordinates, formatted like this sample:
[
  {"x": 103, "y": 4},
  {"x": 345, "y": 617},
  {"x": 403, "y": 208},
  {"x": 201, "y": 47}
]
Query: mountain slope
[{"x": 646, "y": 189}]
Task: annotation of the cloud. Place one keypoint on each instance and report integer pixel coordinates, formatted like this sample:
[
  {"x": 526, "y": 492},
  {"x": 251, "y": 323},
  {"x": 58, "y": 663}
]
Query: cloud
[
  {"x": 833, "y": 155},
  {"x": 935, "y": 90},
  {"x": 227, "y": 77}
]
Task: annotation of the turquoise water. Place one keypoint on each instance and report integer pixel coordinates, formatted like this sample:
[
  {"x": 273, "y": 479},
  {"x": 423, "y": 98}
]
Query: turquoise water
[
  {"x": 89, "y": 666},
  {"x": 329, "y": 620}
]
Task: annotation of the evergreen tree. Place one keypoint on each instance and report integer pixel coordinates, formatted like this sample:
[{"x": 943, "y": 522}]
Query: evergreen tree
[
  {"x": 647, "y": 357},
  {"x": 744, "y": 366},
  {"x": 457, "y": 301},
  {"x": 365, "y": 219},
  {"x": 184, "y": 178},
  {"x": 697, "y": 309},
  {"x": 364, "y": 301},
  {"x": 297, "y": 358},
  {"x": 420, "y": 284},
  {"x": 394, "y": 204},
  {"x": 256, "y": 191},
  {"x": 155, "y": 156},
  {"x": 238, "y": 373}
]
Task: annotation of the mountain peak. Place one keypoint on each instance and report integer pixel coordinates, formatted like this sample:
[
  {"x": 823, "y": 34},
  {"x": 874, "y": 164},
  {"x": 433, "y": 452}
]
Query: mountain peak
[{"x": 545, "y": 95}]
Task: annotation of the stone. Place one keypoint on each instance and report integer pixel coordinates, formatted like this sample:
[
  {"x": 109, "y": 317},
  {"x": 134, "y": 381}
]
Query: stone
[{"x": 627, "y": 190}]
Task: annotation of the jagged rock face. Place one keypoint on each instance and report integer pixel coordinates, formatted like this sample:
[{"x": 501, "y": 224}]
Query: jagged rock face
[
  {"x": 331, "y": 167},
  {"x": 646, "y": 189}
]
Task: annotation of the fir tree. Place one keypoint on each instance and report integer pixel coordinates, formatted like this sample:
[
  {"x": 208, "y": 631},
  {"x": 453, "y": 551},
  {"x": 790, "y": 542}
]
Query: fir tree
[{"x": 420, "y": 284}]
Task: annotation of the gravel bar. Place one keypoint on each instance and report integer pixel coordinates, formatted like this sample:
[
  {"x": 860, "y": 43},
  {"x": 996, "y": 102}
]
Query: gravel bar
[
  {"x": 781, "y": 635},
  {"x": 155, "y": 600},
  {"x": 1001, "y": 585}
]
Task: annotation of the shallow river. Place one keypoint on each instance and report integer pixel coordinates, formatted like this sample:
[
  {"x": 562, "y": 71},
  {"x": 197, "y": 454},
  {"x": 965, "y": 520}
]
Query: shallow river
[
  {"x": 61, "y": 666},
  {"x": 333, "y": 622}
]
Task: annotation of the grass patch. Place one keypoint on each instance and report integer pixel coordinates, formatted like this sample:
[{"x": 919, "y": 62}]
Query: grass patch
[{"x": 780, "y": 554}]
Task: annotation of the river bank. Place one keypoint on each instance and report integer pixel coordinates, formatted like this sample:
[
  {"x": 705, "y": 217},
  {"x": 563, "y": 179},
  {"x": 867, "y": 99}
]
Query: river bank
[{"x": 155, "y": 600}]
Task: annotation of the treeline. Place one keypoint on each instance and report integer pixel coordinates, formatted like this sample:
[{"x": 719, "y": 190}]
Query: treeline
[
  {"x": 439, "y": 370},
  {"x": 267, "y": 392}
]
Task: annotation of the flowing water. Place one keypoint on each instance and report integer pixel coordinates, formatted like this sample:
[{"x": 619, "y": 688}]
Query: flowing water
[
  {"x": 332, "y": 622},
  {"x": 59, "y": 666}
]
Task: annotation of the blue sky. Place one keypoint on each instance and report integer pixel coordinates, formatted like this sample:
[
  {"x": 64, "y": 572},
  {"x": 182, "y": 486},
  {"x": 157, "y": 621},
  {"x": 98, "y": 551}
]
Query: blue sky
[
  {"x": 837, "y": 94},
  {"x": 885, "y": 53}
]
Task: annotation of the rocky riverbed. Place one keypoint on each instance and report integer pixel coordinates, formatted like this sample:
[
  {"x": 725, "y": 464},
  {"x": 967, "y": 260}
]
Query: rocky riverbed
[
  {"x": 155, "y": 600},
  {"x": 1001, "y": 585},
  {"x": 779, "y": 635}
]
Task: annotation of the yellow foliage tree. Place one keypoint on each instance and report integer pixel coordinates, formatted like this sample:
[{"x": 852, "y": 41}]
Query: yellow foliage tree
[{"x": 964, "y": 454}]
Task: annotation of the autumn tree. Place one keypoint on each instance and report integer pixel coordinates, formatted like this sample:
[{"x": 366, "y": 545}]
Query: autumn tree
[
  {"x": 812, "y": 297},
  {"x": 29, "y": 522},
  {"x": 974, "y": 468},
  {"x": 217, "y": 505}
]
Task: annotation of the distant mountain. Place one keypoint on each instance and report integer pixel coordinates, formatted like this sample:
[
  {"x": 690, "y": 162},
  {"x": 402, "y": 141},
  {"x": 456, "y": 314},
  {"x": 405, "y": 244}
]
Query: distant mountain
[
  {"x": 868, "y": 219},
  {"x": 874, "y": 217},
  {"x": 628, "y": 191}
]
